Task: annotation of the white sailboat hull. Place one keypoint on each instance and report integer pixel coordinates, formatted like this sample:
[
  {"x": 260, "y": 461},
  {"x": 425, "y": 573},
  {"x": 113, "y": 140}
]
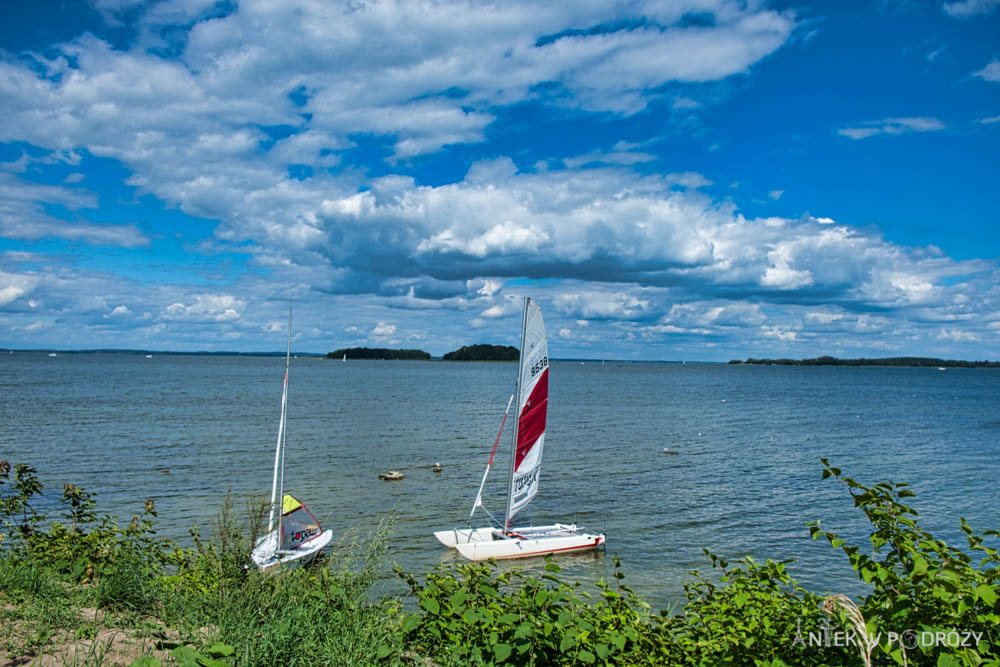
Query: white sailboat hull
[
  {"x": 486, "y": 543},
  {"x": 266, "y": 557}
]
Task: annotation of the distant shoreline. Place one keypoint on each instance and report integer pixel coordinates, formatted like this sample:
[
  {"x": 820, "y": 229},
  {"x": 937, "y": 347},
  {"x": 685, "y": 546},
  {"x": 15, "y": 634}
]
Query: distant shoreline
[
  {"x": 909, "y": 362},
  {"x": 163, "y": 353},
  {"x": 310, "y": 355}
]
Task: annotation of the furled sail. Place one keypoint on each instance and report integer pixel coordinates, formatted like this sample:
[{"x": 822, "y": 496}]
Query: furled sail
[{"x": 533, "y": 404}]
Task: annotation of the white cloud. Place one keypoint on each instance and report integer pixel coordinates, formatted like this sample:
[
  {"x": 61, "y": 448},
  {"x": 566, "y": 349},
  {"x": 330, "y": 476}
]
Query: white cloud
[
  {"x": 620, "y": 154},
  {"x": 958, "y": 335},
  {"x": 775, "y": 194},
  {"x": 966, "y": 8},
  {"x": 892, "y": 126},
  {"x": 685, "y": 103},
  {"x": 600, "y": 304},
  {"x": 489, "y": 287},
  {"x": 383, "y": 330},
  {"x": 989, "y": 73},
  {"x": 688, "y": 179},
  {"x": 22, "y": 216},
  {"x": 205, "y": 308},
  {"x": 990, "y": 120},
  {"x": 119, "y": 311}
]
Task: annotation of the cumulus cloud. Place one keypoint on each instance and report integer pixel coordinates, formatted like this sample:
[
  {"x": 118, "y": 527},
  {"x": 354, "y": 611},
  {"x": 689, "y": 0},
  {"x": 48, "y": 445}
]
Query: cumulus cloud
[
  {"x": 599, "y": 305},
  {"x": 384, "y": 330},
  {"x": 892, "y": 126},
  {"x": 252, "y": 120},
  {"x": 205, "y": 308}
]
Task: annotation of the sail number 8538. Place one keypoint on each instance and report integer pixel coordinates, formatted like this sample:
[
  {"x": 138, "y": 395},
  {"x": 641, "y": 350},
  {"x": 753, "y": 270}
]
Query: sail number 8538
[{"x": 539, "y": 365}]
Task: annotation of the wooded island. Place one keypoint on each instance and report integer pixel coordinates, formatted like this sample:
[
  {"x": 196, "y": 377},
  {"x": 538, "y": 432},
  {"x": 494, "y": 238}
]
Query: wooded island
[
  {"x": 483, "y": 353},
  {"x": 377, "y": 353},
  {"x": 465, "y": 353}
]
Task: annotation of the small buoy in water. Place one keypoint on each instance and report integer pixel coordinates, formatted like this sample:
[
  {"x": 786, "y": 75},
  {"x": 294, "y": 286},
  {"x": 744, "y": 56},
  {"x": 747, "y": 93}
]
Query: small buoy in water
[
  {"x": 166, "y": 471},
  {"x": 437, "y": 467},
  {"x": 669, "y": 451},
  {"x": 391, "y": 476}
]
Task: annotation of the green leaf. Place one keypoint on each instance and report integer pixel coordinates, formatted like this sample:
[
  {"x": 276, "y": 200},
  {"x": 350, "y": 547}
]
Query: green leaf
[
  {"x": 431, "y": 605},
  {"x": 410, "y": 623},
  {"x": 586, "y": 656},
  {"x": 986, "y": 593},
  {"x": 502, "y": 652},
  {"x": 567, "y": 643},
  {"x": 220, "y": 650},
  {"x": 211, "y": 662},
  {"x": 948, "y": 660},
  {"x": 185, "y": 656},
  {"x": 383, "y": 651}
]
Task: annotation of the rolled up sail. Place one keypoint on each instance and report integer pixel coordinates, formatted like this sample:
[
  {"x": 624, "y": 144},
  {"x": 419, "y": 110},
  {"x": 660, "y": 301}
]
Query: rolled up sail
[{"x": 533, "y": 405}]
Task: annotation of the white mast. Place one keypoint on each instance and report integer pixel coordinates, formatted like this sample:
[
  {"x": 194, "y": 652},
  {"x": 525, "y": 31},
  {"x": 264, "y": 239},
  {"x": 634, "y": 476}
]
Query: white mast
[
  {"x": 279, "y": 460},
  {"x": 517, "y": 417}
]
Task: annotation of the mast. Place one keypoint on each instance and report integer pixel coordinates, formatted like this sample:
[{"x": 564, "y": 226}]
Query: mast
[
  {"x": 279, "y": 460},
  {"x": 517, "y": 417}
]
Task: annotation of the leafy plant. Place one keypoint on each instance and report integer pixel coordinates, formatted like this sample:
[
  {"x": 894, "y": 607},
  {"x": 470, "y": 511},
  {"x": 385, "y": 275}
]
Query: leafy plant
[
  {"x": 920, "y": 585},
  {"x": 470, "y": 613}
]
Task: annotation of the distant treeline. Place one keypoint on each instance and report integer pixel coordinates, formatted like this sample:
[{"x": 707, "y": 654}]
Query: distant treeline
[
  {"x": 483, "y": 353},
  {"x": 889, "y": 361},
  {"x": 377, "y": 353}
]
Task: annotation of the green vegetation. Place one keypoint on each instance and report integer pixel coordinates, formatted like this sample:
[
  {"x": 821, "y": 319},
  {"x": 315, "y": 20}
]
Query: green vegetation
[
  {"x": 377, "y": 353},
  {"x": 483, "y": 353},
  {"x": 922, "y": 362},
  {"x": 85, "y": 591}
]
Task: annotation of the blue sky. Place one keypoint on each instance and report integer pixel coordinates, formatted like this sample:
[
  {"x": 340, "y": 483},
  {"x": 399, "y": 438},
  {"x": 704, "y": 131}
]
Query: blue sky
[{"x": 694, "y": 179}]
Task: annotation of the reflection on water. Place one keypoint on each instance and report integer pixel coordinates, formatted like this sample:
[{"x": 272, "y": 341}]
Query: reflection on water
[{"x": 744, "y": 481}]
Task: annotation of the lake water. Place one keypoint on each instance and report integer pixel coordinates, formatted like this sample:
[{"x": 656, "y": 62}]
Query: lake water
[{"x": 744, "y": 481}]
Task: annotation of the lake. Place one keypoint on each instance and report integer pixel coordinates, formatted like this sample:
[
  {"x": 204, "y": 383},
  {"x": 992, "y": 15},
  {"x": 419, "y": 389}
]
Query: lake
[{"x": 744, "y": 481}]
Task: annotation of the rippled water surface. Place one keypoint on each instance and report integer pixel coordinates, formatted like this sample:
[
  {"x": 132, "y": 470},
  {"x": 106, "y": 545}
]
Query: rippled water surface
[{"x": 744, "y": 481}]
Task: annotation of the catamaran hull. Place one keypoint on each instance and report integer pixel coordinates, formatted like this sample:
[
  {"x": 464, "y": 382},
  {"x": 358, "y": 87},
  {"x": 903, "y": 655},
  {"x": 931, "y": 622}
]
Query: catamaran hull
[
  {"x": 265, "y": 559},
  {"x": 485, "y": 543}
]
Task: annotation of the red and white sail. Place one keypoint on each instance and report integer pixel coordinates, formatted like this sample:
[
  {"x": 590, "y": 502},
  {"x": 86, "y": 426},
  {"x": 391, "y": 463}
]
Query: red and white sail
[{"x": 533, "y": 393}]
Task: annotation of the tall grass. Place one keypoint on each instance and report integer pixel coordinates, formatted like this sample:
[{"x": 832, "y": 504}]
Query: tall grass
[{"x": 319, "y": 615}]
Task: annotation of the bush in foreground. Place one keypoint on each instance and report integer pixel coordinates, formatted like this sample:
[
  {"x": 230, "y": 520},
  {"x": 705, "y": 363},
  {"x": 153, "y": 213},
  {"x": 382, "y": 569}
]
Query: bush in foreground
[{"x": 929, "y": 603}]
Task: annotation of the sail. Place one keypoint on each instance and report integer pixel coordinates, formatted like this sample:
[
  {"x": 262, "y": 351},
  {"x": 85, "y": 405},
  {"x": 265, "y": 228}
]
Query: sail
[
  {"x": 298, "y": 525},
  {"x": 532, "y": 408}
]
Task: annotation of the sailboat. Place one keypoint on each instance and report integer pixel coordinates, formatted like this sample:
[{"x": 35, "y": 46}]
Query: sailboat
[
  {"x": 298, "y": 537},
  {"x": 501, "y": 540}
]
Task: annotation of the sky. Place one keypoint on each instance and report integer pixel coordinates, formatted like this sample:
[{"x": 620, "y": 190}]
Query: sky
[{"x": 696, "y": 180}]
